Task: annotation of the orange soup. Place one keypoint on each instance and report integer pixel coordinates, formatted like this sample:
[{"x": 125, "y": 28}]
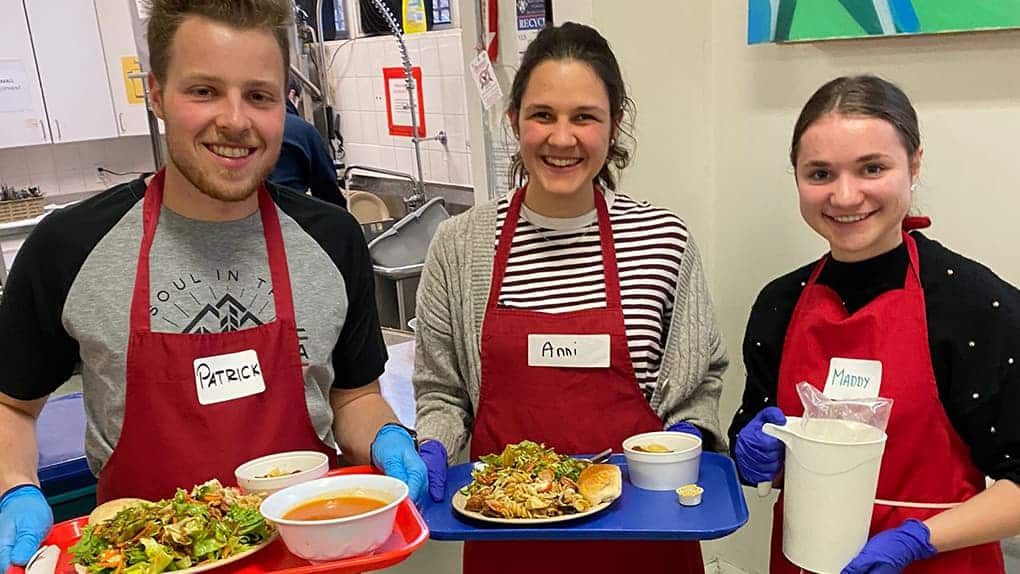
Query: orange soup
[{"x": 334, "y": 507}]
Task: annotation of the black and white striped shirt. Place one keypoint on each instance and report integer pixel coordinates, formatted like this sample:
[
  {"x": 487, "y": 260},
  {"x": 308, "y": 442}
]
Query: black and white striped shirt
[{"x": 555, "y": 266}]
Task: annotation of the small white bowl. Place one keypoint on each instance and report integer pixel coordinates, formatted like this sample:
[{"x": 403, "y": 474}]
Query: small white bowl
[
  {"x": 309, "y": 464},
  {"x": 325, "y": 540},
  {"x": 663, "y": 471}
]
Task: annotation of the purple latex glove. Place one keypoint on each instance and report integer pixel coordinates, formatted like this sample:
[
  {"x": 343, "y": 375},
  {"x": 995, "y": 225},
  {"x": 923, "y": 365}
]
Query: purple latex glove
[
  {"x": 891, "y": 551},
  {"x": 434, "y": 454},
  {"x": 25, "y": 519},
  {"x": 684, "y": 426},
  {"x": 758, "y": 455}
]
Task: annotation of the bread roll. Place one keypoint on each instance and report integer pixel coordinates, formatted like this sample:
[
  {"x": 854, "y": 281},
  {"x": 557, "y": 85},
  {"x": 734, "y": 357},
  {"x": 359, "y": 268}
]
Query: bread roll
[
  {"x": 109, "y": 509},
  {"x": 601, "y": 483}
]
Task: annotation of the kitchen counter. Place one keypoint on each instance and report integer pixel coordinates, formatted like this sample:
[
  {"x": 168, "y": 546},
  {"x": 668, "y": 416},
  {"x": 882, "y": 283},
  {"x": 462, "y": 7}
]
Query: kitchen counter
[
  {"x": 25, "y": 226},
  {"x": 13, "y": 233}
]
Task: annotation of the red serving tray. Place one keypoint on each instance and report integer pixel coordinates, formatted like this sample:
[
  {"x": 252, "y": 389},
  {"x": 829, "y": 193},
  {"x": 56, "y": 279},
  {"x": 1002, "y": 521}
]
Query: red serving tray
[{"x": 409, "y": 533}]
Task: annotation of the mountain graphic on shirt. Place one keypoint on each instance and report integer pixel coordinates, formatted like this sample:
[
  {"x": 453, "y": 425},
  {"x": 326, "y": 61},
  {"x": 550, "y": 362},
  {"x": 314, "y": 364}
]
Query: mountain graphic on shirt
[{"x": 227, "y": 315}]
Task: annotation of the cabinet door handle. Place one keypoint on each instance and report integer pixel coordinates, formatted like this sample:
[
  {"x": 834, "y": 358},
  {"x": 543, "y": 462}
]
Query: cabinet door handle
[
  {"x": 42, "y": 128},
  {"x": 60, "y": 136},
  {"x": 120, "y": 119}
]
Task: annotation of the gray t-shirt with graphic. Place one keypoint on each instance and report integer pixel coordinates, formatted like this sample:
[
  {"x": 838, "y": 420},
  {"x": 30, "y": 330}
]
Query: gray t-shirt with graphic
[{"x": 68, "y": 299}]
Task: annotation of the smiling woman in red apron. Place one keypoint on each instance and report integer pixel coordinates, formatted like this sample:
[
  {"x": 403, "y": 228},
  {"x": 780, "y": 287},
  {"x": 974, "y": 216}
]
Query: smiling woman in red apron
[
  {"x": 943, "y": 327},
  {"x": 565, "y": 258}
]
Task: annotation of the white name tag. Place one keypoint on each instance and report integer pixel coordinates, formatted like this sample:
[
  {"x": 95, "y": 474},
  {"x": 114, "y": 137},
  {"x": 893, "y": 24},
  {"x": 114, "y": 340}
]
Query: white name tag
[
  {"x": 853, "y": 379},
  {"x": 586, "y": 351},
  {"x": 228, "y": 377}
]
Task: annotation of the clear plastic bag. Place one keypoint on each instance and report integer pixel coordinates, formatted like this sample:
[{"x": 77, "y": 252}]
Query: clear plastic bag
[{"x": 874, "y": 411}]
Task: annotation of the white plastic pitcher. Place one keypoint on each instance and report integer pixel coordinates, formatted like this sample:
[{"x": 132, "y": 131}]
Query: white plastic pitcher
[{"x": 831, "y": 477}]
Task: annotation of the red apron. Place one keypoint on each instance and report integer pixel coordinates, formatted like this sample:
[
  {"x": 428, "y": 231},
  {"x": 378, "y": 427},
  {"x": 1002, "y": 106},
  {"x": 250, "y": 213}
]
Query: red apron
[
  {"x": 168, "y": 439},
  {"x": 574, "y": 410},
  {"x": 926, "y": 467}
]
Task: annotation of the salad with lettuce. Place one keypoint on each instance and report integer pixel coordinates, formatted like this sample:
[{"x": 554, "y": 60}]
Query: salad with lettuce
[{"x": 208, "y": 524}]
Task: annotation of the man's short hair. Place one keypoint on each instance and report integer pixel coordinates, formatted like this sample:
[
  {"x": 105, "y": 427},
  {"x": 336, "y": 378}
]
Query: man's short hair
[{"x": 166, "y": 16}]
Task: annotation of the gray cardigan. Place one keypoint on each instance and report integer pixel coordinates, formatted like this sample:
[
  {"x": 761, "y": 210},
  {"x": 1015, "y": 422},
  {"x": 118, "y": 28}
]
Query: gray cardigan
[{"x": 452, "y": 296}]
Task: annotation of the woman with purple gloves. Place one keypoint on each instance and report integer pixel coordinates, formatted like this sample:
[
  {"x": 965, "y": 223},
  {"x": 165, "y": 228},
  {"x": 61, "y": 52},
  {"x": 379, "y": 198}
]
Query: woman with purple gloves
[
  {"x": 943, "y": 327},
  {"x": 565, "y": 259}
]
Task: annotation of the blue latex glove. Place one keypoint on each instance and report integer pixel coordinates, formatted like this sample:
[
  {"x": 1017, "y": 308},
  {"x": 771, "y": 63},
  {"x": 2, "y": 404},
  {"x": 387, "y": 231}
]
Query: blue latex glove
[
  {"x": 758, "y": 455},
  {"x": 25, "y": 519},
  {"x": 434, "y": 454},
  {"x": 891, "y": 551},
  {"x": 684, "y": 426},
  {"x": 394, "y": 453}
]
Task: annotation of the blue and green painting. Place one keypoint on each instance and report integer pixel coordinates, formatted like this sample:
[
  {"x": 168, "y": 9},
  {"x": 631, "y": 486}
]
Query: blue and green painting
[{"x": 793, "y": 21}]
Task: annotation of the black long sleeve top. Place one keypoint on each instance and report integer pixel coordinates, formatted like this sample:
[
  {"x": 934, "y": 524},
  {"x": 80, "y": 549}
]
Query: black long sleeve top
[{"x": 973, "y": 332}]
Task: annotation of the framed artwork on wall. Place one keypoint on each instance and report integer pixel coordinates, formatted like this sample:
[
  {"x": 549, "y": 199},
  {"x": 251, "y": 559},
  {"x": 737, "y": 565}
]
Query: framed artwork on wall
[{"x": 808, "y": 20}]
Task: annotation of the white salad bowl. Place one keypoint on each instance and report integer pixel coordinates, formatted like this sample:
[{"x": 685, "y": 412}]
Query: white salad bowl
[{"x": 309, "y": 464}]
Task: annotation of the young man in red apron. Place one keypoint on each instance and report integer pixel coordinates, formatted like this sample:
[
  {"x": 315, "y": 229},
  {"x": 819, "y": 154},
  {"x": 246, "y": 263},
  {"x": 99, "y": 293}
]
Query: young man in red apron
[
  {"x": 201, "y": 434},
  {"x": 198, "y": 404},
  {"x": 565, "y": 408}
]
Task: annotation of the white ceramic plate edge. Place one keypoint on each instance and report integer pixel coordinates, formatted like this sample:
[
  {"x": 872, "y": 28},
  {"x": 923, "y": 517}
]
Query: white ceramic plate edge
[
  {"x": 203, "y": 567},
  {"x": 460, "y": 500}
]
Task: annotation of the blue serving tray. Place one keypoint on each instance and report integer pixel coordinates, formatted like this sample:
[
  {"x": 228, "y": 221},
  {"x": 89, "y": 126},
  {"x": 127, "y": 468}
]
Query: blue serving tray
[{"x": 636, "y": 515}]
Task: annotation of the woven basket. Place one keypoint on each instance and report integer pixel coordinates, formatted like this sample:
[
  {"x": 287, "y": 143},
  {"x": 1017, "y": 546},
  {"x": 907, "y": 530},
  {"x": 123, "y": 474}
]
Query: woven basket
[{"x": 18, "y": 209}]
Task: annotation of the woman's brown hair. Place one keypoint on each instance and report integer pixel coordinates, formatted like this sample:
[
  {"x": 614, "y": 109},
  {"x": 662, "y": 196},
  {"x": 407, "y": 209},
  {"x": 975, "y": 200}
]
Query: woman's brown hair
[
  {"x": 572, "y": 41},
  {"x": 868, "y": 96}
]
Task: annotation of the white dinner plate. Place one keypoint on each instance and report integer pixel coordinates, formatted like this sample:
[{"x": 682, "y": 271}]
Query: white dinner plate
[{"x": 460, "y": 500}]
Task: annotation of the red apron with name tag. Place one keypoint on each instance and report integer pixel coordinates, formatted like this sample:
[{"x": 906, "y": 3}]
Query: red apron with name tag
[
  {"x": 169, "y": 440},
  {"x": 573, "y": 410},
  {"x": 926, "y": 467}
]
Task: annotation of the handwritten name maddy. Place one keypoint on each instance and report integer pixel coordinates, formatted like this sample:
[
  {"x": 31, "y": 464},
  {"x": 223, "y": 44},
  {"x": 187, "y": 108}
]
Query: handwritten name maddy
[{"x": 841, "y": 378}]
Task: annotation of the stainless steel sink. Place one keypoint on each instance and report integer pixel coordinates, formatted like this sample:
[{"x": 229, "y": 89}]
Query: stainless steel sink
[
  {"x": 407, "y": 242},
  {"x": 458, "y": 198},
  {"x": 396, "y": 286}
]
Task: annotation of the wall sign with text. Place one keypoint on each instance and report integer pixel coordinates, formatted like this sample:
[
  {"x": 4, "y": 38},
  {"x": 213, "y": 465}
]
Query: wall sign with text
[
  {"x": 398, "y": 109},
  {"x": 14, "y": 96},
  {"x": 532, "y": 16}
]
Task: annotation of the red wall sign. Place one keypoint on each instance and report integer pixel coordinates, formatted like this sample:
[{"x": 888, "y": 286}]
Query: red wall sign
[{"x": 397, "y": 109}]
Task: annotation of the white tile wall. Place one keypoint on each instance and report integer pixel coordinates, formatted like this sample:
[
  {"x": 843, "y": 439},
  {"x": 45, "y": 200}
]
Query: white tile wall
[
  {"x": 359, "y": 97},
  {"x": 439, "y": 165},
  {"x": 432, "y": 92},
  {"x": 405, "y": 159},
  {"x": 429, "y": 56},
  {"x": 61, "y": 169},
  {"x": 387, "y": 157},
  {"x": 454, "y": 95},
  {"x": 448, "y": 64},
  {"x": 435, "y": 122}
]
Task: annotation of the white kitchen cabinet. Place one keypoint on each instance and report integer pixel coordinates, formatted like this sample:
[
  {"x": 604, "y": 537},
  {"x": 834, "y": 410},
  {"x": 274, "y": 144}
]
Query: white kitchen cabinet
[
  {"x": 120, "y": 52},
  {"x": 22, "y": 113},
  {"x": 72, "y": 69}
]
